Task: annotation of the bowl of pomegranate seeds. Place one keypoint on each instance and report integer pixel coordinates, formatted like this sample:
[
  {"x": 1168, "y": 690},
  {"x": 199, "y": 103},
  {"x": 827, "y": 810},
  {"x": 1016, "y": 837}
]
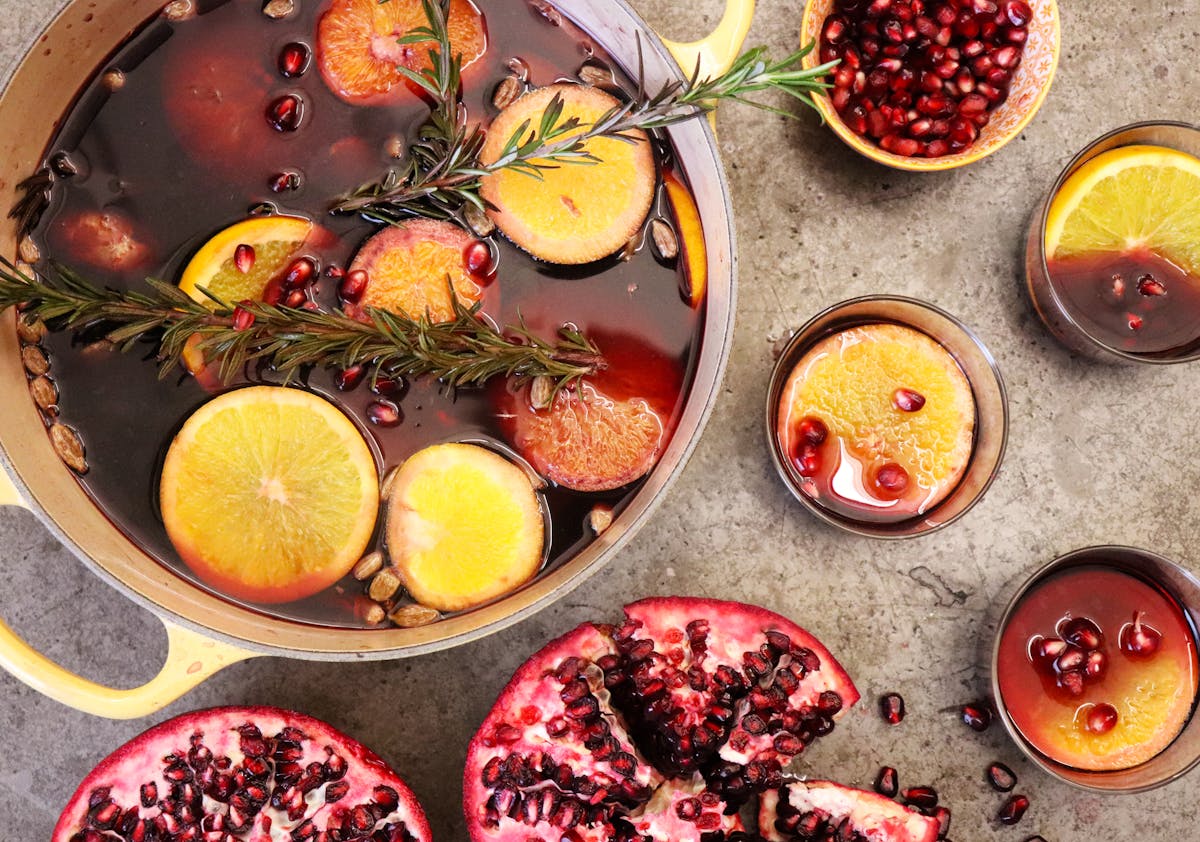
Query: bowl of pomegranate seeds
[{"x": 932, "y": 84}]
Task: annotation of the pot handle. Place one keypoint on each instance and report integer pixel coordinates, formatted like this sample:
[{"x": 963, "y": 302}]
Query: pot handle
[
  {"x": 191, "y": 658},
  {"x": 717, "y": 51}
]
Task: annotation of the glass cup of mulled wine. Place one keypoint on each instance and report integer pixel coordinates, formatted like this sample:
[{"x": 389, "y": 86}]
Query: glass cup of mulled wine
[
  {"x": 886, "y": 417},
  {"x": 1094, "y": 669},
  {"x": 1112, "y": 256}
]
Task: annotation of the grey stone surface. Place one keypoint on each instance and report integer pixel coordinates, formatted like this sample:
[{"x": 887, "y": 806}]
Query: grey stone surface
[{"x": 1096, "y": 455}]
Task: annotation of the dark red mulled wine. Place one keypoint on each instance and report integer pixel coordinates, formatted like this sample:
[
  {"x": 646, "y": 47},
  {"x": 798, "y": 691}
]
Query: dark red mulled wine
[{"x": 179, "y": 170}]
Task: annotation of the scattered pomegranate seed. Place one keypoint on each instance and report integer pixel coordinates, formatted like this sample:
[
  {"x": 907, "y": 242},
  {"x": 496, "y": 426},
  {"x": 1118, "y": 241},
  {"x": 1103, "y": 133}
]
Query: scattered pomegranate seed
[
  {"x": 1002, "y": 778},
  {"x": 892, "y": 478},
  {"x": 812, "y": 430},
  {"x": 1139, "y": 639},
  {"x": 886, "y": 782},
  {"x": 477, "y": 257},
  {"x": 243, "y": 319},
  {"x": 1135, "y": 322},
  {"x": 293, "y": 60},
  {"x": 1072, "y": 682},
  {"x": 384, "y": 413},
  {"x": 295, "y": 298},
  {"x": 311, "y": 306},
  {"x": 1045, "y": 650},
  {"x": 942, "y": 814},
  {"x": 921, "y": 797},
  {"x": 348, "y": 378},
  {"x": 1101, "y": 719},
  {"x": 243, "y": 257},
  {"x": 1095, "y": 665},
  {"x": 977, "y": 715},
  {"x": 1013, "y": 809},
  {"x": 891, "y": 705},
  {"x": 1149, "y": 286},
  {"x": 284, "y": 181},
  {"x": 387, "y": 386},
  {"x": 285, "y": 113},
  {"x": 299, "y": 274},
  {"x": 907, "y": 400},
  {"x": 1082, "y": 632}
]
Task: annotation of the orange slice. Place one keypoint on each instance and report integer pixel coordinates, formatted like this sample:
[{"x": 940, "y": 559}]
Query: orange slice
[
  {"x": 849, "y": 382},
  {"x": 358, "y": 54},
  {"x": 269, "y": 494},
  {"x": 275, "y": 240},
  {"x": 463, "y": 526},
  {"x": 407, "y": 266},
  {"x": 574, "y": 213},
  {"x": 691, "y": 237}
]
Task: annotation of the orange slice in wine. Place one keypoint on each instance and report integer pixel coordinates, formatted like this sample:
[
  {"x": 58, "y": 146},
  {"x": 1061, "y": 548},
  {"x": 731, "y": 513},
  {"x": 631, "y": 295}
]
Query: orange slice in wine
[
  {"x": 358, "y": 53},
  {"x": 463, "y": 526},
  {"x": 238, "y": 262},
  {"x": 269, "y": 494},
  {"x": 575, "y": 212},
  {"x": 408, "y": 266},
  {"x": 691, "y": 238}
]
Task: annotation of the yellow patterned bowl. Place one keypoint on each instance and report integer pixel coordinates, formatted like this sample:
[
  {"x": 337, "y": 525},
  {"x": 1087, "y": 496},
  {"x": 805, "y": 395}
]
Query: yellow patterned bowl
[{"x": 1030, "y": 84}]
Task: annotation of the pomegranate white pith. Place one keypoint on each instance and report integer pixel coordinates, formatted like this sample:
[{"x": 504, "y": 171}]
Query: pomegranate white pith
[
  {"x": 257, "y": 774},
  {"x": 821, "y": 810},
  {"x": 652, "y": 730}
]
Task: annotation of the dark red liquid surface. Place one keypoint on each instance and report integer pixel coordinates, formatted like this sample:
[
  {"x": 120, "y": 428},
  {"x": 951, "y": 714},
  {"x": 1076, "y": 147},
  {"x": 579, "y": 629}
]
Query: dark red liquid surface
[
  {"x": 1137, "y": 302},
  {"x": 154, "y": 153},
  {"x": 1051, "y": 717}
]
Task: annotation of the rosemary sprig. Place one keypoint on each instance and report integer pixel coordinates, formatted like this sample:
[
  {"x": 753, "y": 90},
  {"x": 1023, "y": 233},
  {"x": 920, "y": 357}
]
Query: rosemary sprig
[
  {"x": 464, "y": 351},
  {"x": 443, "y": 171}
]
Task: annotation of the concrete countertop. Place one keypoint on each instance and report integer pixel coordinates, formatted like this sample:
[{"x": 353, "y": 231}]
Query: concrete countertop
[{"x": 1096, "y": 455}]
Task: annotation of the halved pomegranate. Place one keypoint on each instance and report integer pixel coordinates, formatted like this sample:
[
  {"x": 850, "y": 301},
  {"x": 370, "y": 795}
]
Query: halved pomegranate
[
  {"x": 242, "y": 773},
  {"x": 659, "y": 728},
  {"x": 821, "y": 810}
]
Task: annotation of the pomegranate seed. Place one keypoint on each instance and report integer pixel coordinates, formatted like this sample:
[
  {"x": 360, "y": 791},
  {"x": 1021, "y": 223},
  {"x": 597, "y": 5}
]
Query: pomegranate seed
[
  {"x": 1102, "y": 718},
  {"x": 1139, "y": 639},
  {"x": 295, "y": 298},
  {"x": 311, "y": 306},
  {"x": 907, "y": 400},
  {"x": 891, "y": 706},
  {"x": 243, "y": 257},
  {"x": 840, "y": 99},
  {"x": 1082, "y": 632},
  {"x": 243, "y": 319},
  {"x": 1150, "y": 286},
  {"x": 353, "y": 285},
  {"x": 387, "y": 386},
  {"x": 1013, "y": 809},
  {"x": 689, "y": 809},
  {"x": 1096, "y": 663},
  {"x": 921, "y": 797},
  {"x": 285, "y": 113},
  {"x": 812, "y": 429},
  {"x": 972, "y": 104},
  {"x": 1072, "y": 659},
  {"x": 835, "y": 29},
  {"x": 284, "y": 181},
  {"x": 299, "y": 274},
  {"x": 920, "y": 128},
  {"x": 1072, "y": 682},
  {"x": 942, "y": 814},
  {"x": 1017, "y": 36},
  {"x": 886, "y": 782},
  {"x": 1001, "y": 777},
  {"x": 892, "y": 478},
  {"x": 1135, "y": 322},
  {"x": 998, "y": 76},
  {"x": 293, "y": 60},
  {"x": 477, "y": 257},
  {"x": 977, "y": 715},
  {"x": 1018, "y": 12},
  {"x": 807, "y": 459},
  {"x": 985, "y": 7},
  {"x": 973, "y": 48},
  {"x": 878, "y": 7},
  {"x": 348, "y": 378},
  {"x": 946, "y": 15},
  {"x": 926, "y": 27},
  {"x": 967, "y": 27},
  {"x": 1007, "y": 57},
  {"x": 384, "y": 413}
]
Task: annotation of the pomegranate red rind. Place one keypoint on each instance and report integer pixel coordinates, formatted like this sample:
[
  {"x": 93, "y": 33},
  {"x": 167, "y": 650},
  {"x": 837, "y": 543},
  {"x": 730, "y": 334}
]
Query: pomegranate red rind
[
  {"x": 656, "y": 728},
  {"x": 253, "y": 773},
  {"x": 826, "y": 805}
]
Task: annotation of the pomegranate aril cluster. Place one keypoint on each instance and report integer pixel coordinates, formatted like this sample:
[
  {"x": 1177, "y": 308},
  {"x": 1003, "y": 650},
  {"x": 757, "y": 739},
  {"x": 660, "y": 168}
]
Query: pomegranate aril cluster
[
  {"x": 1075, "y": 657},
  {"x": 921, "y": 77}
]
